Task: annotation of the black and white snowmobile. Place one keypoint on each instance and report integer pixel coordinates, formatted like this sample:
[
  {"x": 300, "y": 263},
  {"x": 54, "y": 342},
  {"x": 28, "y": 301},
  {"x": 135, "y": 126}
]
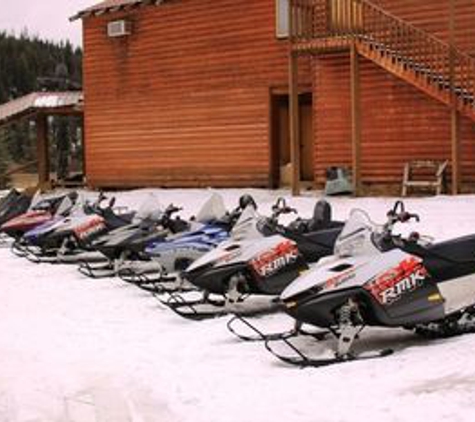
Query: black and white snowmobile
[
  {"x": 260, "y": 260},
  {"x": 377, "y": 278},
  {"x": 123, "y": 247}
]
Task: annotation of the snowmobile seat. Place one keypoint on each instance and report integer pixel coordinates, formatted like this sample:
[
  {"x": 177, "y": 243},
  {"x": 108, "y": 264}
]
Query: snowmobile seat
[
  {"x": 114, "y": 220},
  {"x": 448, "y": 259},
  {"x": 321, "y": 220},
  {"x": 316, "y": 244}
]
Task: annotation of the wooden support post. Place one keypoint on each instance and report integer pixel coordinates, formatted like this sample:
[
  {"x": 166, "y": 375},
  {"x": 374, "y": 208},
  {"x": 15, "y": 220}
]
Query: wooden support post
[
  {"x": 454, "y": 120},
  {"x": 455, "y": 148},
  {"x": 355, "y": 120},
  {"x": 83, "y": 146},
  {"x": 42, "y": 150},
  {"x": 294, "y": 124},
  {"x": 294, "y": 118}
]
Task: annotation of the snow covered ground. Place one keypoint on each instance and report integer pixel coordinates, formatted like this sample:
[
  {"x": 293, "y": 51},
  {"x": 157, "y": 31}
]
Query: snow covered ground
[{"x": 79, "y": 350}]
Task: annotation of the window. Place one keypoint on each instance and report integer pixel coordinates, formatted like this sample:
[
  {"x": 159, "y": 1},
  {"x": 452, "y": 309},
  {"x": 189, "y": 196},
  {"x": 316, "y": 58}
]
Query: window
[{"x": 282, "y": 18}]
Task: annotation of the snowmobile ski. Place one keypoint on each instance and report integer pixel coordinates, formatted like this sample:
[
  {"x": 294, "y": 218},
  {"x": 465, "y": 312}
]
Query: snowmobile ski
[
  {"x": 250, "y": 332},
  {"x": 97, "y": 271},
  {"x": 207, "y": 307},
  {"x": 297, "y": 358}
]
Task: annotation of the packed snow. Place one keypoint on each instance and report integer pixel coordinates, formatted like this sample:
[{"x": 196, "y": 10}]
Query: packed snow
[{"x": 74, "y": 349}]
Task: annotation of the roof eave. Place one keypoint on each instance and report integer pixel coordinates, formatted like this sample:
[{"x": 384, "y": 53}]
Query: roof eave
[{"x": 112, "y": 9}]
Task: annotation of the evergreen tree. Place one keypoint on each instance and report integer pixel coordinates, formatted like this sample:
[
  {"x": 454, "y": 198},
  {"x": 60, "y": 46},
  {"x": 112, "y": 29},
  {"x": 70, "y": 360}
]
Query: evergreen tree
[{"x": 28, "y": 63}]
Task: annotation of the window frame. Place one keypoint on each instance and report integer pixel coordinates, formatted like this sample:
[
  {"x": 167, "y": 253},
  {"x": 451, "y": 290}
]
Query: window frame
[{"x": 282, "y": 27}]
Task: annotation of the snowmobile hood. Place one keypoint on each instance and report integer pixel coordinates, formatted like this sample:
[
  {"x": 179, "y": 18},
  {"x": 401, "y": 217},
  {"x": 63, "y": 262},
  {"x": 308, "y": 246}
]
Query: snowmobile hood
[
  {"x": 334, "y": 273},
  {"x": 82, "y": 226},
  {"x": 44, "y": 228},
  {"x": 206, "y": 236},
  {"x": 132, "y": 232},
  {"x": 27, "y": 220},
  {"x": 232, "y": 252}
]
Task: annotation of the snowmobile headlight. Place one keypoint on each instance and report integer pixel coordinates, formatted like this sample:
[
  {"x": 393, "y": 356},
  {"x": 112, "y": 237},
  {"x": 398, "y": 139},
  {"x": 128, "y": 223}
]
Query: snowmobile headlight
[{"x": 291, "y": 304}]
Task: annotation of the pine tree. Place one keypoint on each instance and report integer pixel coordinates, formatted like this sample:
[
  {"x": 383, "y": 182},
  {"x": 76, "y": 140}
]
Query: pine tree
[{"x": 26, "y": 62}]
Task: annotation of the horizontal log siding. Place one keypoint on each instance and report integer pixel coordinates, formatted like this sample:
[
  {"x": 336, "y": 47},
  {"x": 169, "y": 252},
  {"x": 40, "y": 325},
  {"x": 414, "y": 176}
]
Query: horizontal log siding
[
  {"x": 184, "y": 100},
  {"x": 399, "y": 123}
]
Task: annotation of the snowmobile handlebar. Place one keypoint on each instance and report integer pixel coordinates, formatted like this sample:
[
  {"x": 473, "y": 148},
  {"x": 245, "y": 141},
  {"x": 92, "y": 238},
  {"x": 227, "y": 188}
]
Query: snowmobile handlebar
[
  {"x": 281, "y": 207},
  {"x": 399, "y": 214},
  {"x": 172, "y": 209}
]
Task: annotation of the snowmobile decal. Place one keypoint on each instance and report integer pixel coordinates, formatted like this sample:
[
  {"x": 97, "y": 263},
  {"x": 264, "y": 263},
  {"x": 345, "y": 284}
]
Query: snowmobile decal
[
  {"x": 90, "y": 227},
  {"x": 406, "y": 277},
  {"x": 270, "y": 262},
  {"x": 340, "y": 279}
]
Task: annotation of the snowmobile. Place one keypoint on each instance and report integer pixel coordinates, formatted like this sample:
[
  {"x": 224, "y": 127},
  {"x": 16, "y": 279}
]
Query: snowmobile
[
  {"x": 126, "y": 243},
  {"x": 378, "y": 278},
  {"x": 261, "y": 259},
  {"x": 12, "y": 205},
  {"x": 169, "y": 256},
  {"x": 43, "y": 209},
  {"x": 66, "y": 239}
]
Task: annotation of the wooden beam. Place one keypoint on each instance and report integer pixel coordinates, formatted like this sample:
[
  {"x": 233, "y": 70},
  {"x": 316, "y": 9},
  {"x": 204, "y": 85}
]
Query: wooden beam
[
  {"x": 355, "y": 120},
  {"x": 42, "y": 149}
]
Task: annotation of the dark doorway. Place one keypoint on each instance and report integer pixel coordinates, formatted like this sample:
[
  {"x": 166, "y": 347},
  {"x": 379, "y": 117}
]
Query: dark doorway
[{"x": 280, "y": 141}]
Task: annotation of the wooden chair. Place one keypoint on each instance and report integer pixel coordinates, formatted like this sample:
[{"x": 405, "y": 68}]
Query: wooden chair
[{"x": 424, "y": 174}]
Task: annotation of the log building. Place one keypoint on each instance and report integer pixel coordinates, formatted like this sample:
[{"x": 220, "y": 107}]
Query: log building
[{"x": 232, "y": 93}]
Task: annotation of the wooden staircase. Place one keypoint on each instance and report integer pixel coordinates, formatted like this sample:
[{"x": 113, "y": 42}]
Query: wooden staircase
[{"x": 423, "y": 60}]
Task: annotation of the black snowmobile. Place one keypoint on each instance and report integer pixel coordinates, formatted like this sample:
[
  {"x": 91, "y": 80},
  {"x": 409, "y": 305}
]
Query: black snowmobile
[
  {"x": 261, "y": 259},
  {"x": 126, "y": 243},
  {"x": 381, "y": 279}
]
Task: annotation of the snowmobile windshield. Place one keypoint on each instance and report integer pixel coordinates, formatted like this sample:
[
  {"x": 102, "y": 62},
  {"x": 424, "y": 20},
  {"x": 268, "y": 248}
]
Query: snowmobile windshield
[
  {"x": 150, "y": 209},
  {"x": 212, "y": 210},
  {"x": 356, "y": 238},
  {"x": 247, "y": 226},
  {"x": 37, "y": 198},
  {"x": 44, "y": 202},
  {"x": 66, "y": 205}
]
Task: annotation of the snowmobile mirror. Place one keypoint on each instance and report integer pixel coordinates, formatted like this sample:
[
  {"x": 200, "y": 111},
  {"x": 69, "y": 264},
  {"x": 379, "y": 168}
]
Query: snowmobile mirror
[
  {"x": 280, "y": 203},
  {"x": 246, "y": 200}
]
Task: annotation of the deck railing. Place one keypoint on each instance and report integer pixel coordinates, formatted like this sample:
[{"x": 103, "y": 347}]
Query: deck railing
[{"x": 443, "y": 65}]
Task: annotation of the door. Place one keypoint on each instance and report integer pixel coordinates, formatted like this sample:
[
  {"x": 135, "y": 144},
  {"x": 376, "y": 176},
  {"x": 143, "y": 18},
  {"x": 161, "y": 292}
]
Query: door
[{"x": 281, "y": 169}]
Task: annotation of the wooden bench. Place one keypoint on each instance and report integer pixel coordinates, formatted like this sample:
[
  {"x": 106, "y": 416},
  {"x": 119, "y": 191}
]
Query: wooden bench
[{"x": 424, "y": 174}]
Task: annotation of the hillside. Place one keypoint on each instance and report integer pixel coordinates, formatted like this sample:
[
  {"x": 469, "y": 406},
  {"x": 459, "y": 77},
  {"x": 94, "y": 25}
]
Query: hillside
[{"x": 29, "y": 63}]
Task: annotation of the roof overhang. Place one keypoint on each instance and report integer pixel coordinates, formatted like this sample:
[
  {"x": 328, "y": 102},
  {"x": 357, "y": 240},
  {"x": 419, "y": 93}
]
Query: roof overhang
[
  {"x": 111, "y": 6},
  {"x": 66, "y": 102}
]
